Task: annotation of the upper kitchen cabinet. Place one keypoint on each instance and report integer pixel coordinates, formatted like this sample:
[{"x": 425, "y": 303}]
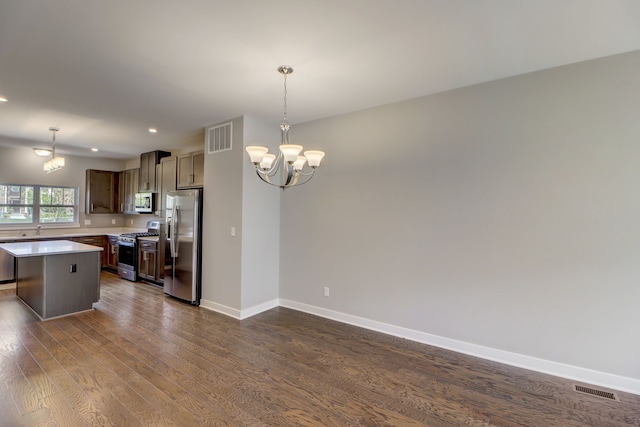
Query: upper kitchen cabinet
[
  {"x": 129, "y": 188},
  {"x": 166, "y": 177},
  {"x": 191, "y": 170},
  {"x": 101, "y": 191},
  {"x": 147, "y": 178}
]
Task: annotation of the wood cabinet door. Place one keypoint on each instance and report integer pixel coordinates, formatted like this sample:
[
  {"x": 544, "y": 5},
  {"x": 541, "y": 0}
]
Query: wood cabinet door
[
  {"x": 147, "y": 264},
  {"x": 130, "y": 190},
  {"x": 148, "y": 182},
  {"x": 112, "y": 253},
  {"x": 198, "y": 169},
  {"x": 185, "y": 171},
  {"x": 167, "y": 179},
  {"x": 120, "y": 192},
  {"x": 147, "y": 162},
  {"x": 94, "y": 241},
  {"x": 151, "y": 262},
  {"x": 147, "y": 253},
  {"x": 191, "y": 170},
  {"x": 100, "y": 191}
]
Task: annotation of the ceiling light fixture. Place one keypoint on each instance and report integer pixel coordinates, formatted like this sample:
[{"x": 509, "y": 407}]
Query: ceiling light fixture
[
  {"x": 42, "y": 152},
  {"x": 95, "y": 150},
  {"x": 55, "y": 163},
  {"x": 3, "y": 99},
  {"x": 153, "y": 130},
  {"x": 288, "y": 162}
]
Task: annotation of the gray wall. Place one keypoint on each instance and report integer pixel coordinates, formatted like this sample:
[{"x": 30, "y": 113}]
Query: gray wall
[
  {"x": 260, "y": 223},
  {"x": 240, "y": 273},
  {"x": 22, "y": 166},
  {"x": 505, "y": 214},
  {"x": 222, "y": 209}
]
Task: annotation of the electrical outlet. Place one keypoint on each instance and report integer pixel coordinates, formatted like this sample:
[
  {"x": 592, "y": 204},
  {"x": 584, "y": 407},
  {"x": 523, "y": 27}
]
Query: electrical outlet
[
  {"x": 87, "y": 222},
  {"x": 326, "y": 291},
  {"x": 233, "y": 231},
  {"x": 131, "y": 222},
  {"x": 113, "y": 221},
  {"x": 73, "y": 268}
]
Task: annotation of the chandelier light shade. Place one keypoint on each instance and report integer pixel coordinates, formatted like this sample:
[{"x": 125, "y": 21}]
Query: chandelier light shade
[
  {"x": 42, "y": 152},
  {"x": 287, "y": 168},
  {"x": 56, "y": 162}
]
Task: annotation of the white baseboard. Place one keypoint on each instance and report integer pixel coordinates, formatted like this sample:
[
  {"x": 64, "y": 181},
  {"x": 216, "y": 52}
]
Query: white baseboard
[
  {"x": 4, "y": 286},
  {"x": 238, "y": 314},
  {"x": 575, "y": 373},
  {"x": 219, "y": 308}
]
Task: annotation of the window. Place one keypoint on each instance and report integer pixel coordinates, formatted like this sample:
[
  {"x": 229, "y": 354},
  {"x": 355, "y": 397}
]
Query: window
[
  {"x": 34, "y": 204},
  {"x": 57, "y": 205}
]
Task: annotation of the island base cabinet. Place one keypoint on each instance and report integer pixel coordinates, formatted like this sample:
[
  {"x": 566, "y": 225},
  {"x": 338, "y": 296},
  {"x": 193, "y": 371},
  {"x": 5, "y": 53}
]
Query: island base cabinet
[{"x": 56, "y": 285}]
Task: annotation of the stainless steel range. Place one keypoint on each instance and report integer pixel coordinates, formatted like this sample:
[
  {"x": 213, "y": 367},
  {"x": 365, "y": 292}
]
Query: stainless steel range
[{"x": 128, "y": 250}]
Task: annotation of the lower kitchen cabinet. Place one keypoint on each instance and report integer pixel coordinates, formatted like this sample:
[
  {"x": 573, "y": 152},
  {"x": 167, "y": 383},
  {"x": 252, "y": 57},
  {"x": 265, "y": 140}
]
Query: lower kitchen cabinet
[
  {"x": 95, "y": 241},
  {"x": 111, "y": 256},
  {"x": 147, "y": 257}
]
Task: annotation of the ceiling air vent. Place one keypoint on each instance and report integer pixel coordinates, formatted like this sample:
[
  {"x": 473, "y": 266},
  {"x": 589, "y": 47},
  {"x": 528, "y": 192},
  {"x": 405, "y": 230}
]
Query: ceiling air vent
[
  {"x": 218, "y": 138},
  {"x": 594, "y": 392}
]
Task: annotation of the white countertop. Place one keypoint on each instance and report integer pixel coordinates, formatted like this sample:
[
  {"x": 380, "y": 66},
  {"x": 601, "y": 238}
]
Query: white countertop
[
  {"x": 14, "y": 236},
  {"x": 48, "y": 247}
]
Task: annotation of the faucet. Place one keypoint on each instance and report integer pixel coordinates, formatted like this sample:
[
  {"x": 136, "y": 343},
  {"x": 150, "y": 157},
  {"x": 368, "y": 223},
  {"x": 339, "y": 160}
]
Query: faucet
[{"x": 38, "y": 230}]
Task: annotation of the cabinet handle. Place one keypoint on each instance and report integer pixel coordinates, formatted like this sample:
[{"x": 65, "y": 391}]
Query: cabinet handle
[{"x": 91, "y": 207}]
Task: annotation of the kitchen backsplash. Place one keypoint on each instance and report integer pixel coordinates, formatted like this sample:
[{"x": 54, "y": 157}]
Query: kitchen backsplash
[
  {"x": 101, "y": 221},
  {"x": 106, "y": 220}
]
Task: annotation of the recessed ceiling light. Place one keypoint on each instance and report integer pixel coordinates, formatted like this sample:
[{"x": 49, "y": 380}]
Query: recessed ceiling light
[
  {"x": 153, "y": 130},
  {"x": 94, "y": 149},
  {"x": 3, "y": 99}
]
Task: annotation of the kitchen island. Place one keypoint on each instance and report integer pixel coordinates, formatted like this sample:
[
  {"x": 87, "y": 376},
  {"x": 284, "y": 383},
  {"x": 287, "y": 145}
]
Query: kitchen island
[{"x": 56, "y": 277}]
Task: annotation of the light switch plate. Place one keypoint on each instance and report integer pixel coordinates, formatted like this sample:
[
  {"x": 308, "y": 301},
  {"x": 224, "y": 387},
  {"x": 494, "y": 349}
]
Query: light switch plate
[{"x": 87, "y": 222}]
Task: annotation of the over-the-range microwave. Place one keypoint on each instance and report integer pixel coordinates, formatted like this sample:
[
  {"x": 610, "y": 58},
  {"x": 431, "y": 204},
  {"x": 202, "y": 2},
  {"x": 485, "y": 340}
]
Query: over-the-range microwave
[{"x": 145, "y": 202}]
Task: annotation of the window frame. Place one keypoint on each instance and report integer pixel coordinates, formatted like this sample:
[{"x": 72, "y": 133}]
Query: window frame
[{"x": 36, "y": 206}]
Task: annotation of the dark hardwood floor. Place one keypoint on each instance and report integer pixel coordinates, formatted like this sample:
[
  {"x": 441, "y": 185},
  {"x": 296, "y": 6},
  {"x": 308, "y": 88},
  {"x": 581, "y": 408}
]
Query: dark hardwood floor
[{"x": 144, "y": 359}]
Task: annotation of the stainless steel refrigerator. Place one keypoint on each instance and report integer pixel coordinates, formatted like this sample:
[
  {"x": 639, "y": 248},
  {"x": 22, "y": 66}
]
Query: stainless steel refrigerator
[{"x": 181, "y": 241}]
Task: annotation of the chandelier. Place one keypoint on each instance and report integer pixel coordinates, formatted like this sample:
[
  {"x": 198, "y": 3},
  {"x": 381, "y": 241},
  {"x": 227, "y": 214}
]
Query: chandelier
[
  {"x": 287, "y": 169},
  {"x": 55, "y": 163}
]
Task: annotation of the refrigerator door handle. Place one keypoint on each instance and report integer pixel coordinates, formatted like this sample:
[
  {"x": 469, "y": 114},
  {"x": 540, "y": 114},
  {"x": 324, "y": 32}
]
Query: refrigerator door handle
[{"x": 174, "y": 231}]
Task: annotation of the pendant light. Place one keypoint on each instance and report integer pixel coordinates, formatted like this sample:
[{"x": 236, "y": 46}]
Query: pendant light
[{"x": 55, "y": 163}]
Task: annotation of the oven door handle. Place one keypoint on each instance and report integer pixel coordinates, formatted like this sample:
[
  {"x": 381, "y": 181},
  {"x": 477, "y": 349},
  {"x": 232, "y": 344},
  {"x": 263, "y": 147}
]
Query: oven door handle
[{"x": 124, "y": 243}]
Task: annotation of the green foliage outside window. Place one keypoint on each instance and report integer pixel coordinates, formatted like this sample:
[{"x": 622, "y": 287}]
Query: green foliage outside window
[{"x": 34, "y": 204}]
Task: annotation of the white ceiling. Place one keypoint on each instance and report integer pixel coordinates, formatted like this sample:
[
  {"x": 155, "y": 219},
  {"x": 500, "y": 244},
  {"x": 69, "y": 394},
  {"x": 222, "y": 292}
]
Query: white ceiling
[{"x": 106, "y": 71}]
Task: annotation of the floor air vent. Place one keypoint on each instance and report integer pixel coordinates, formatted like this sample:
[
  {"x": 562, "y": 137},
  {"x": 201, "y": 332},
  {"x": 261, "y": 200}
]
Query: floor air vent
[
  {"x": 218, "y": 138},
  {"x": 597, "y": 393}
]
